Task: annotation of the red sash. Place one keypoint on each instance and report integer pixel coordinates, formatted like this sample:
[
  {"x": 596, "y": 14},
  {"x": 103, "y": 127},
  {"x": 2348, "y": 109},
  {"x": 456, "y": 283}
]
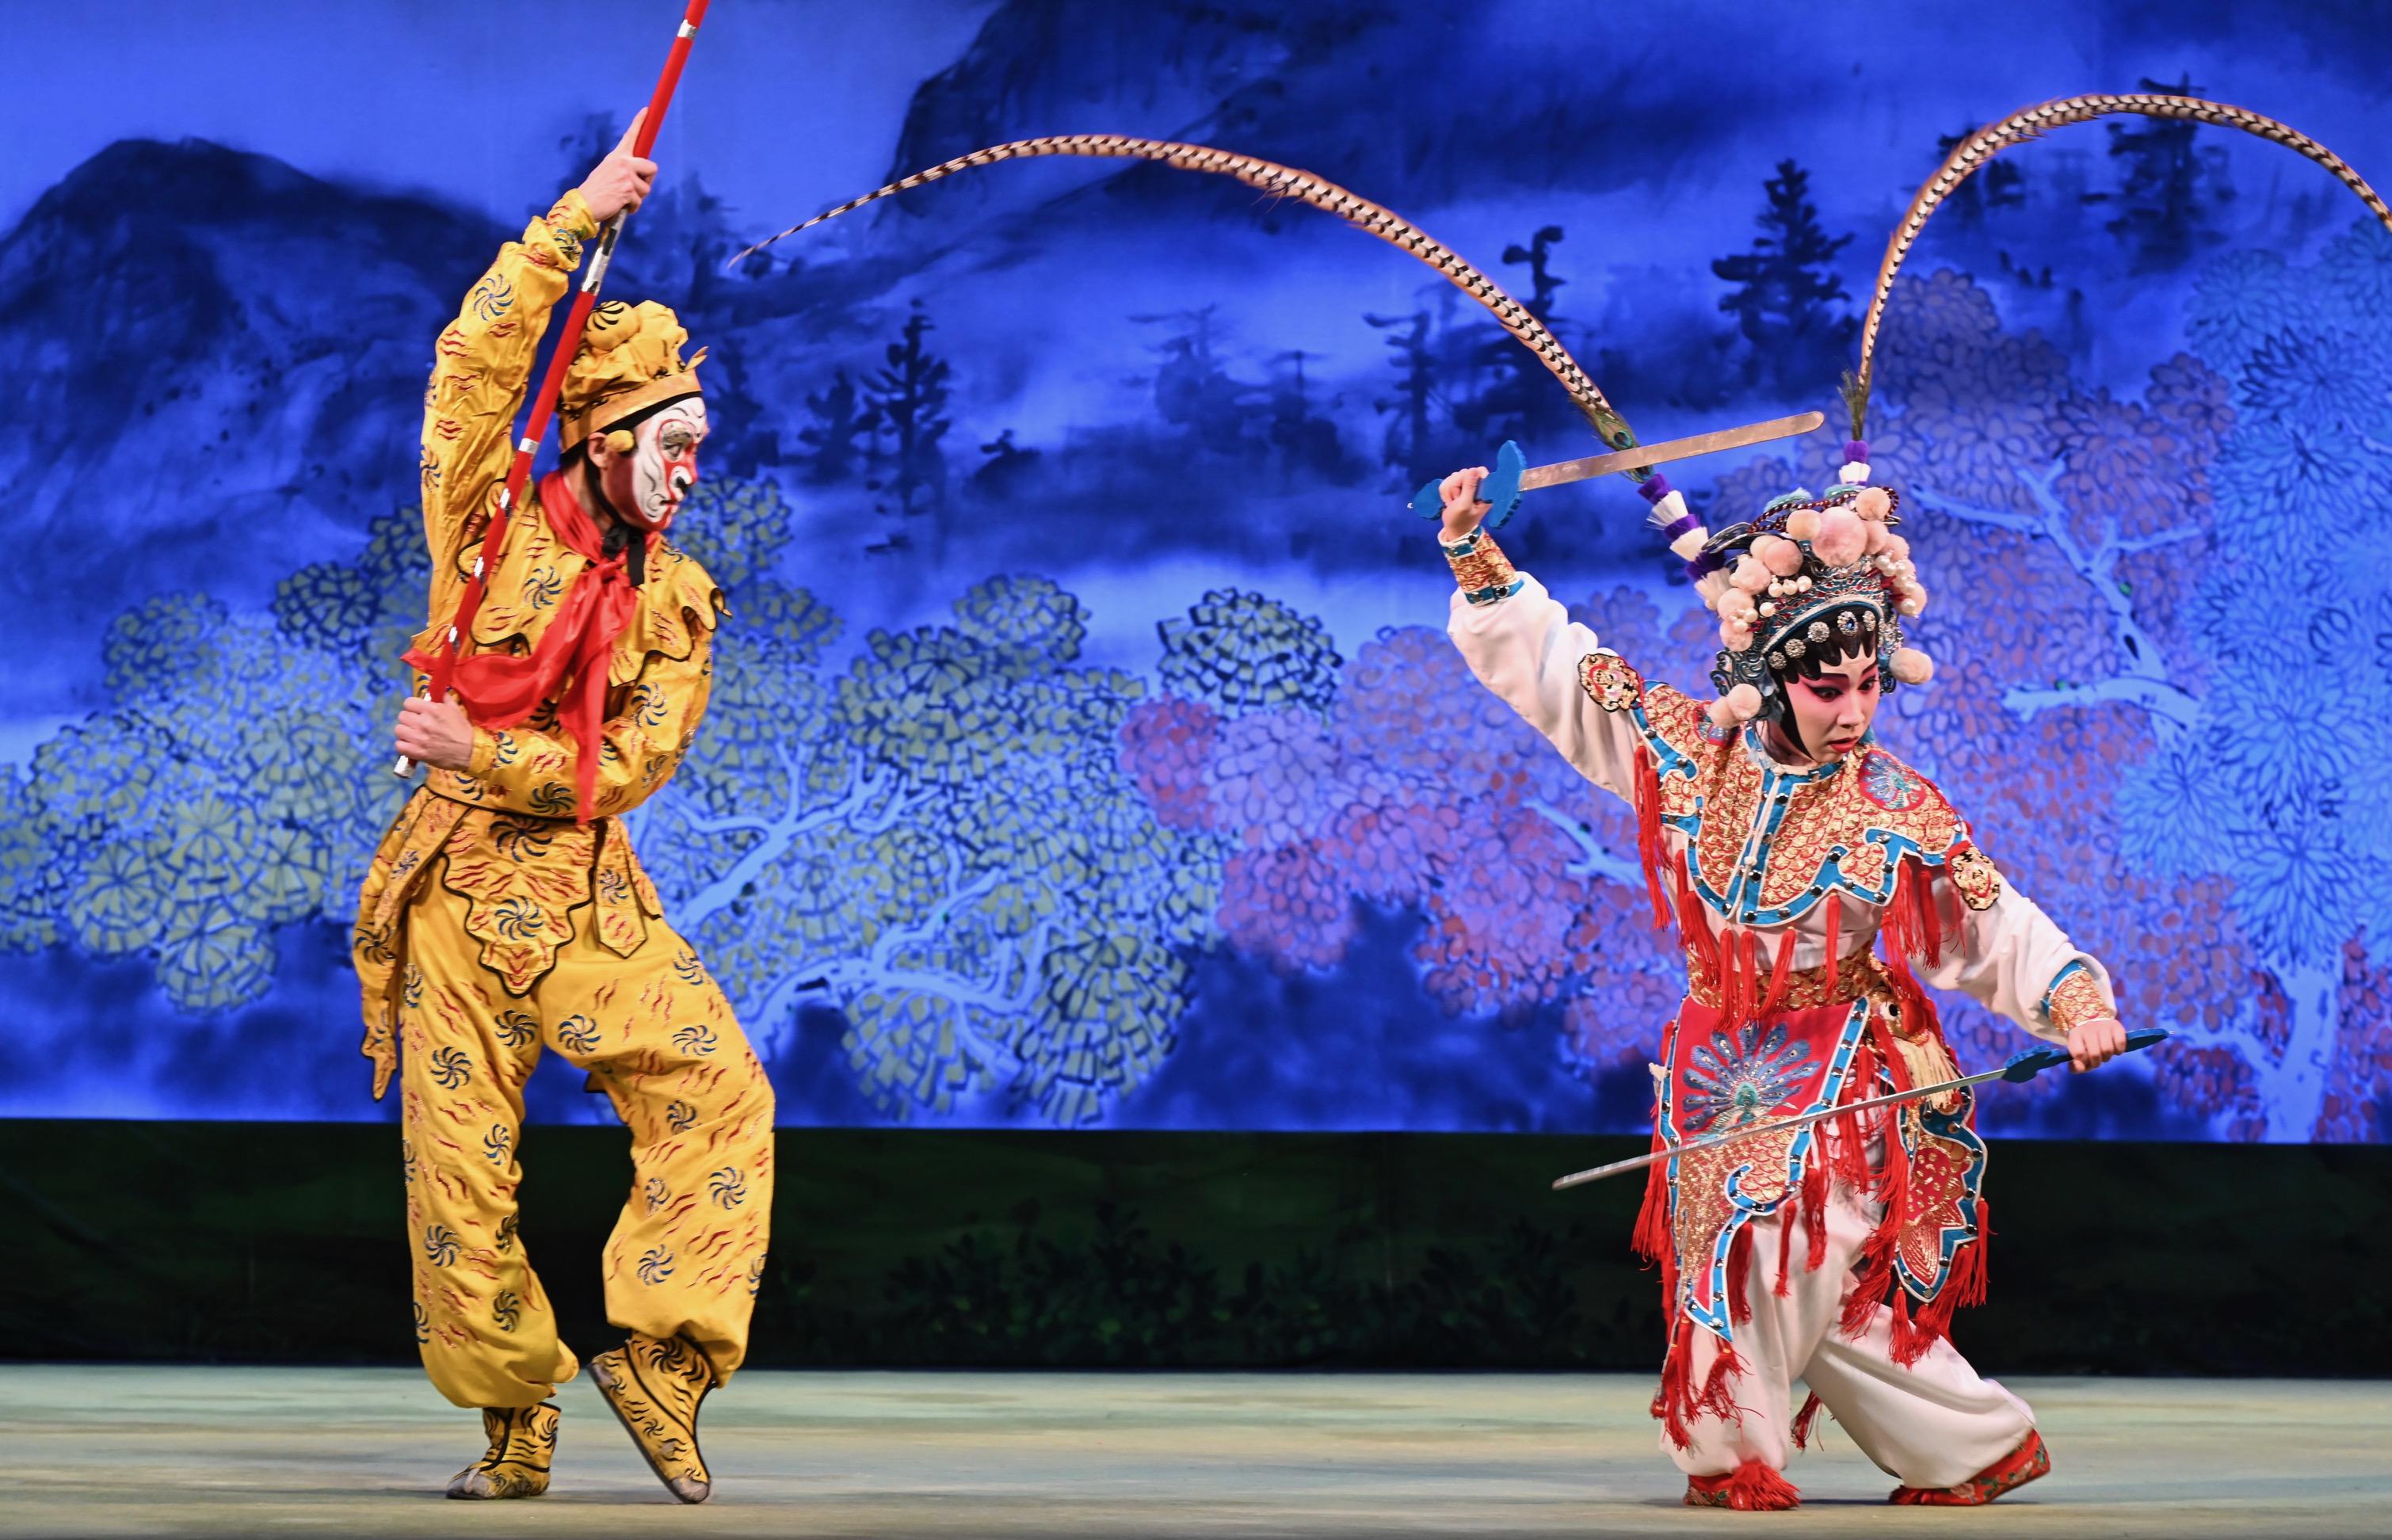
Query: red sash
[{"x": 500, "y": 690}]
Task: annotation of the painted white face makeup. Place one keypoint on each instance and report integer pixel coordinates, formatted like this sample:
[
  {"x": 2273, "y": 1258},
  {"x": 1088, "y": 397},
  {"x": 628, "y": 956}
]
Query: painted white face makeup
[{"x": 650, "y": 483}]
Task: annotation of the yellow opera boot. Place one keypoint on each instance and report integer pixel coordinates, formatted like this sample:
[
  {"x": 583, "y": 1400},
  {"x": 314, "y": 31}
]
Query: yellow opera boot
[
  {"x": 523, "y": 1444},
  {"x": 655, "y": 1386}
]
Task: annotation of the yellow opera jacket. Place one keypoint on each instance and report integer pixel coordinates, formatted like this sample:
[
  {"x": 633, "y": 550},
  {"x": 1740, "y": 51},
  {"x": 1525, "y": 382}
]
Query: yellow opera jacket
[{"x": 501, "y": 834}]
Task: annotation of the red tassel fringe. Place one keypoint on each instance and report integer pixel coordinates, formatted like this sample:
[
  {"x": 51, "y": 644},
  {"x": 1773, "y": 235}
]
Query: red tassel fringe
[
  {"x": 1739, "y": 1276},
  {"x": 1914, "y": 927},
  {"x": 1815, "y": 1217},
  {"x": 1972, "y": 1267},
  {"x": 1648, "y": 833},
  {"x": 1876, "y": 1270},
  {"x": 1784, "y": 1285},
  {"x": 1779, "y": 974},
  {"x": 1652, "y": 1240},
  {"x": 1803, "y": 1419},
  {"x": 1846, "y": 1138},
  {"x": 1835, "y": 939},
  {"x": 1914, "y": 1333},
  {"x": 1677, "y": 1403},
  {"x": 1671, "y": 1399},
  {"x": 1694, "y": 929}
]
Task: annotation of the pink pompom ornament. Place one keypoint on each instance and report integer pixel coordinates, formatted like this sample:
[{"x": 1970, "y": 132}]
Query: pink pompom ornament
[
  {"x": 1873, "y": 504},
  {"x": 1913, "y": 666},
  {"x": 1783, "y": 558},
  {"x": 1750, "y": 576},
  {"x": 1843, "y": 538},
  {"x": 1877, "y": 538},
  {"x": 1802, "y": 524},
  {"x": 1737, "y": 707},
  {"x": 1737, "y": 607}
]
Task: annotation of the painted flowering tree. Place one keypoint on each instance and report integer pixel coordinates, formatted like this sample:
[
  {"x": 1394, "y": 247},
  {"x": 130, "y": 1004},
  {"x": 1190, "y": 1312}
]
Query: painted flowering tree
[
  {"x": 2162, "y": 675},
  {"x": 2291, "y": 616},
  {"x": 227, "y": 790},
  {"x": 938, "y": 840},
  {"x": 2166, "y": 662},
  {"x": 1394, "y": 780}
]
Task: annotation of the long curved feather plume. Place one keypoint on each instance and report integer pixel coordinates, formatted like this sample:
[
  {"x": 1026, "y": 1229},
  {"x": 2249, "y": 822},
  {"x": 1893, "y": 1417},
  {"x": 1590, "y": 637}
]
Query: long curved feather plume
[
  {"x": 1288, "y": 182},
  {"x": 2032, "y": 123}
]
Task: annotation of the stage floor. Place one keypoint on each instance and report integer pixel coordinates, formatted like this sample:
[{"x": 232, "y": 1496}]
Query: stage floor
[{"x": 111, "y": 1450}]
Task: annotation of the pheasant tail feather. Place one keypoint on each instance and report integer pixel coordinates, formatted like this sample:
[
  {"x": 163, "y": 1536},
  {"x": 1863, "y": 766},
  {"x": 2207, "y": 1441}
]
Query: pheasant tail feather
[
  {"x": 1280, "y": 181},
  {"x": 2034, "y": 123}
]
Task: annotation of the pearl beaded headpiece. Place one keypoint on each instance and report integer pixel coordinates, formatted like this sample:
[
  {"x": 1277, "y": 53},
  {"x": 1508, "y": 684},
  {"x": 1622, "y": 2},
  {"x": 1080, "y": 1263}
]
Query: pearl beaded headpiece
[{"x": 1805, "y": 573}]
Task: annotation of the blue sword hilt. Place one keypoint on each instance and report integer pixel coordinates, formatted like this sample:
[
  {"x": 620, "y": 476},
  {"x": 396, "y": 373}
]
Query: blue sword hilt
[
  {"x": 2029, "y": 1063},
  {"x": 1502, "y": 488}
]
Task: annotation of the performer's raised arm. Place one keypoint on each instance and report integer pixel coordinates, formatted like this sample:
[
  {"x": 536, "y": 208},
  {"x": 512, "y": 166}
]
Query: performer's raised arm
[
  {"x": 483, "y": 360},
  {"x": 1523, "y": 645}
]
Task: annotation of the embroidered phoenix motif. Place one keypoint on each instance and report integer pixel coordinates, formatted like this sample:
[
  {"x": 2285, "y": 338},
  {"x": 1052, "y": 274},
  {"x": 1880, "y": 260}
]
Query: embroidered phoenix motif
[{"x": 1736, "y": 1078}]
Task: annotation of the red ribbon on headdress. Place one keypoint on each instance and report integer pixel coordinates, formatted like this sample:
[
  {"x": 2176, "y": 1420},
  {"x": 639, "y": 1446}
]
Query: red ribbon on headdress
[{"x": 498, "y": 690}]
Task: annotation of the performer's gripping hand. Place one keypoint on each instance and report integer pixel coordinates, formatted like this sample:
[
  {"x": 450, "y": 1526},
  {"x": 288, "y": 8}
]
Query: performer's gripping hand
[
  {"x": 1463, "y": 508},
  {"x": 2095, "y": 1043},
  {"x": 621, "y": 182},
  {"x": 436, "y": 733}
]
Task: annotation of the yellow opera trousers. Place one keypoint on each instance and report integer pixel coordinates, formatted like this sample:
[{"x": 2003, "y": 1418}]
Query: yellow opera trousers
[
  {"x": 657, "y": 1033},
  {"x": 493, "y": 926}
]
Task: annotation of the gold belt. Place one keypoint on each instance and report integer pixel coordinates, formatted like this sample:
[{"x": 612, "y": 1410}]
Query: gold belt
[{"x": 1860, "y": 976}]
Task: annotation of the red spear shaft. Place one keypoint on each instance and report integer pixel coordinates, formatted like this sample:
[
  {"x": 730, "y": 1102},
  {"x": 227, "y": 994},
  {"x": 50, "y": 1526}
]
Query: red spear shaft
[{"x": 543, "y": 402}]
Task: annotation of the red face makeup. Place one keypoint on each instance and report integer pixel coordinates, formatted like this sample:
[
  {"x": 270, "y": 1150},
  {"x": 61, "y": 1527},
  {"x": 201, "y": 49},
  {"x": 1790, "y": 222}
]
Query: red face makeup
[{"x": 650, "y": 483}]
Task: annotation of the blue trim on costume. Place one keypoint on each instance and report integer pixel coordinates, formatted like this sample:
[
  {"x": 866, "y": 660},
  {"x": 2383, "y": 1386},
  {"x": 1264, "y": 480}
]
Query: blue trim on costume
[
  {"x": 1953, "y": 1127},
  {"x": 2073, "y": 966},
  {"x": 1736, "y": 904},
  {"x": 1495, "y": 592}
]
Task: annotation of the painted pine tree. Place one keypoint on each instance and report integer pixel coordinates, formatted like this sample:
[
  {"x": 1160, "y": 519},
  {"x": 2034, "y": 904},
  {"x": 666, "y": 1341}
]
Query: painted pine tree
[{"x": 1786, "y": 294}]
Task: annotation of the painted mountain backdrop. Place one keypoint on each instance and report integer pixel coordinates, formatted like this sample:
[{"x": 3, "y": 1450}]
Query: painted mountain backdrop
[{"x": 1087, "y": 751}]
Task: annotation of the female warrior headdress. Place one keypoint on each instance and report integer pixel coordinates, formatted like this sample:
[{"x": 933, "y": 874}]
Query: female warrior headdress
[{"x": 1831, "y": 571}]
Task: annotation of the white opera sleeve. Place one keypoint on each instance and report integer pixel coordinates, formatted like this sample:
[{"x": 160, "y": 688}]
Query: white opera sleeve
[
  {"x": 1527, "y": 649},
  {"x": 2012, "y": 959}
]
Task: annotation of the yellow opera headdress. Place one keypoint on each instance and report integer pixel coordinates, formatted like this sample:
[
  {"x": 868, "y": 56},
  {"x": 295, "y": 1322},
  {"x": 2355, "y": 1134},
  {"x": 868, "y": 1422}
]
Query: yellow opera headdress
[{"x": 629, "y": 364}]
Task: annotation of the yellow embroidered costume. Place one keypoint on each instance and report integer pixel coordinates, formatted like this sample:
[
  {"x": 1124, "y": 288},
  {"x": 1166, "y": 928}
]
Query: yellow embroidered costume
[{"x": 494, "y": 923}]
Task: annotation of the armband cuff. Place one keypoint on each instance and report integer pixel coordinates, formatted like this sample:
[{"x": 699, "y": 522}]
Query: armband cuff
[{"x": 1485, "y": 575}]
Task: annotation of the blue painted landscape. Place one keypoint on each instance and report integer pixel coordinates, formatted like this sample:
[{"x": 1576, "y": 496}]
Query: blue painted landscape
[{"x": 1085, "y": 749}]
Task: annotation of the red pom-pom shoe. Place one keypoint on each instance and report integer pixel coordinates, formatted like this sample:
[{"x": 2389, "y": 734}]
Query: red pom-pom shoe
[
  {"x": 1751, "y": 1487},
  {"x": 2013, "y": 1471}
]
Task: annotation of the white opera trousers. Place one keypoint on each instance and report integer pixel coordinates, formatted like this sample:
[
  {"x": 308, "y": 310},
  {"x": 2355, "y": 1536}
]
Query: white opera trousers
[{"x": 1934, "y": 1424}]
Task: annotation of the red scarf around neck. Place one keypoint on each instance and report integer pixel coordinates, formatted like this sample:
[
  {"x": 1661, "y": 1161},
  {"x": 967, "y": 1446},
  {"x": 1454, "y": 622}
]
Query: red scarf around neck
[{"x": 500, "y": 690}]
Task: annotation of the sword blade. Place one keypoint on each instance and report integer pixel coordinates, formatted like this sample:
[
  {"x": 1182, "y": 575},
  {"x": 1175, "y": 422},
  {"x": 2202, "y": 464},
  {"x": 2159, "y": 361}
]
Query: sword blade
[
  {"x": 1668, "y": 449},
  {"x": 1749, "y": 1131}
]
